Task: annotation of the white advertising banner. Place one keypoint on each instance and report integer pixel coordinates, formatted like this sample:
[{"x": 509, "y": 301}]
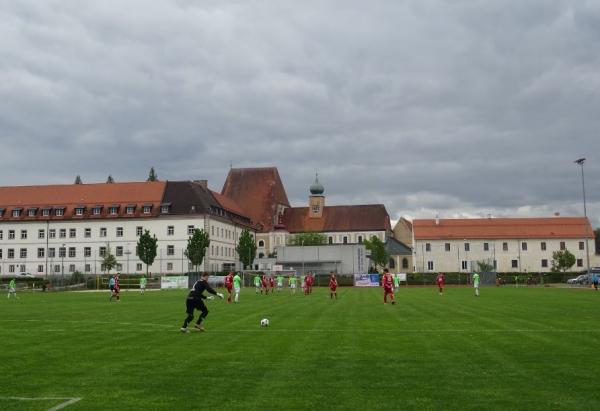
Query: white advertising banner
[
  {"x": 173, "y": 282},
  {"x": 366, "y": 280}
]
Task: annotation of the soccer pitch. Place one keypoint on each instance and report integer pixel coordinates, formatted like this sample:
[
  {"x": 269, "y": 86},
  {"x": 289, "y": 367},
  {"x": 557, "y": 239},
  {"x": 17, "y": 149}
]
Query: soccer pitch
[{"x": 511, "y": 348}]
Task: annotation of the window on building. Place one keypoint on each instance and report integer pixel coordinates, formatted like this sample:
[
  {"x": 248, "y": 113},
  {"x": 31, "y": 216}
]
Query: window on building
[
  {"x": 10, "y": 253},
  {"x": 170, "y": 230},
  {"x": 464, "y": 265},
  {"x": 130, "y": 209},
  {"x": 504, "y": 246},
  {"x": 62, "y": 233},
  {"x": 87, "y": 251},
  {"x": 190, "y": 229},
  {"x": 41, "y": 234},
  {"x": 72, "y": 252},
  {"x": 119, "y": 231},
  {"x": 11, "y": 268},
  {"x": 23, "y": 253},
  {"x": 514, "y": 264},
  {"x": 543, "y": 246},
  {"x": 139, "y": 230},
  {"x": 59, "y": 212},
  {"x": 524, "y": 246},
  {"x": 138, "y": 266},
  {"x": 169, "y": 266},
  {"x": 57, "y": 268},
  {"x": 330, "y": 240},
  {"x": 1, "y": 234},
  {"x": 11, "y": 234},
  {"x": 170, "y": 250},
  {"x": 119, "y": 251},
  {"x": 113, "y": 210},
  {"x": 32, "y": 212},
  {"x": 72, "y": 233},
  {"x": 164, "y": 209},
  {"x": 405, "y": 262},
  {"x": 467, "y": 247},
  {"x": 447, "y": 246},
  {"x": 581, "y": 245},
  {"x": 102, "y": 252},
  {"x": 23, "y": 234},
  {"x": 40, "y": 268},
  {"x": 315, "y": 208},
  {"x": 0, "y": 257},
  {"x": 430, "y": 265},
  {"x": 41, "y": 253},
  {"x": 62, "y": 252},
  {"x": 360, "y": 239},
  {"x": 345, "y": 240},
  {"x": 544, "y": 263},
  {"x": 102, "y": 231},
  {"x": 52, "y": 233},
  {"x": 88, "y": 268},
  {"x": 46, "y": 212},
  {"x": 427, "y": 247},
  {"x": 71, "y": 268},
  {"x": 78, "y": 211},
  {"x": 22, "y": 268},
  {"x": 87, "y": 232},
  {"x": 579, "y": 262},
  {"x": 16, "y": 212},
  {"x": 146, "y": 209},
  {"x": 97, "y": 210},
  {"x": 486, "y": 246},
  {"x": 51, "y": 252},
  {"x": 261, "y": 243},
  {"x": 563, "y": 246}
]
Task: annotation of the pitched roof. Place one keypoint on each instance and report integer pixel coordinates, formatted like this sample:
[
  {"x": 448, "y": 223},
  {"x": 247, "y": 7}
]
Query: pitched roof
[
  {"x": 509, "y": 228},
  {"x": 258, "y": 191},
  {"x": 71, "y": 196},
  {"x": 395, "y": 247},
  {"x": 370, "y": 217}
]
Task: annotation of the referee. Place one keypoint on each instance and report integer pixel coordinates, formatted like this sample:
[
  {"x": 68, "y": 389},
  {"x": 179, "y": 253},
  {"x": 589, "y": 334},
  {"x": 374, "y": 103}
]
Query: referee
[{"x": 195, "y": 301}]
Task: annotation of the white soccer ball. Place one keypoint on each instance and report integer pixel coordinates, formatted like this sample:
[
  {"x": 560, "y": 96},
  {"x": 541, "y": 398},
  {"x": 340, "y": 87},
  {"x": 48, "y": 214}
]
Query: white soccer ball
[{"x": 264, "y": 322}]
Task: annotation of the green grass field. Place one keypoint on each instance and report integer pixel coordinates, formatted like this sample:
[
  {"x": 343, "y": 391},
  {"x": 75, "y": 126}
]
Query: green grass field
[{"x": 511, "y": 348}]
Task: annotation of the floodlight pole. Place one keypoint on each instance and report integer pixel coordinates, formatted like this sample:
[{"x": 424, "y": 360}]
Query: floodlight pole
[{"x": 580, "y": 161}]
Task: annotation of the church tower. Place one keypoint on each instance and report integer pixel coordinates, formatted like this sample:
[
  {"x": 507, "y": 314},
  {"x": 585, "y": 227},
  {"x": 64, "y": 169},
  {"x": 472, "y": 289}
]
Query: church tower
[{"x": 316, "y": 201}]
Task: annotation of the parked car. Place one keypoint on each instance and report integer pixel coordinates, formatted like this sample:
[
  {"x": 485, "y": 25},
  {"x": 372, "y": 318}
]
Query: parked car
[
  {"x": 580, "y": 279},
  {"x": 25, "y": 275}
]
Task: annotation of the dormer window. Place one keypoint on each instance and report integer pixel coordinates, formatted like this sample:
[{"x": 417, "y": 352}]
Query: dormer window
[
  {"x": 16, "y": 212},
  {"x": 59, "y": 212},
  {"x": 46, "y": 211},
  {"x": 79, "y": 210},
  {"x": 130, "y": 209},
  {"x": 113, "y": 210},
  {"x": 97, "y": 210},
  {"x": 164, "y": 208},
  {"x": 32, "y": 212},
  {"x": 147, "y": 208},
  {"x": 1, "y": 212}
]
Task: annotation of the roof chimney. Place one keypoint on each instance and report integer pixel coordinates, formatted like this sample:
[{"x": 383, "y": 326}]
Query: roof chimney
[
  {"x": 489, "y": 216},
  {"x": 556, "y": 214},
  {"x": 437, "y": 219}
]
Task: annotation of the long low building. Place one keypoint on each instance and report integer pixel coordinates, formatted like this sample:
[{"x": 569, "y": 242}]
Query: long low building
[
  {"x": 506, "y": 244},
  {"x": 60, "y": 229}
]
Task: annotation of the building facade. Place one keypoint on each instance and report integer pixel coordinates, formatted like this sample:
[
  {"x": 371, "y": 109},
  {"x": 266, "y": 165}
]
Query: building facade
[
  {"x": 505, "y": 244},
  {"x": 60, "y": 229}
]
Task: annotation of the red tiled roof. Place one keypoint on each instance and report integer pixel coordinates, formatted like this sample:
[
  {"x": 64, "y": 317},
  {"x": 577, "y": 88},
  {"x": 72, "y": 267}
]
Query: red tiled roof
[
  {"x": 228, "y": 204},
  {"x": 509, "y": 228},
  {"x": 371, "y": 217},
  {"x": 258, "y": 191},
  {"x": 88, "y": 195}
]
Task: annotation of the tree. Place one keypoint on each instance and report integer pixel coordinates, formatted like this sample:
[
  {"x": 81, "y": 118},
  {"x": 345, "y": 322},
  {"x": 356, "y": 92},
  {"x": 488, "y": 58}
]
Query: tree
[
  {"x": 196, "y": 247},
  {"x": 377, "y": 248},
  {"x": 110, "y": 180},
  {"x": 562, "y": 260},
  {"x": 484, "y": 267},
  {"x": 146, "y": 248},
  {"x": 109, "y": 261},
  {"x": 78, "y": 179},
  {"x": 152, "y": 176},
  {"x": 246, "y": 248},
  {"x": 309, "y": 238}
]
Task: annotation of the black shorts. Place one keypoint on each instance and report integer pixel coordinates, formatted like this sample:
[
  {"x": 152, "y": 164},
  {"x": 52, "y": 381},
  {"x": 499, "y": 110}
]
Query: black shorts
[
  {"x": 112, "y": 288},
  {"x": 192, "y": 304}
]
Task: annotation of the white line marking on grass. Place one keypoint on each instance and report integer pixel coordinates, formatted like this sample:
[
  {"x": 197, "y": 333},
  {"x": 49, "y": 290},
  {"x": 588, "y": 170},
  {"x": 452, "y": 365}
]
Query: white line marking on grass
[{"x": 69, "y": 401}]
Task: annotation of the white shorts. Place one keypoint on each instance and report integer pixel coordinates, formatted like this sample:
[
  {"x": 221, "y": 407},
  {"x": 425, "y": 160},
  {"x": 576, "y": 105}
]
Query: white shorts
[
  {"x": 142, "y": 287},
  {"x": 236, "y": 289},
  {"x": 12, "y": 290},
  {"x": 292, "y": 285}
]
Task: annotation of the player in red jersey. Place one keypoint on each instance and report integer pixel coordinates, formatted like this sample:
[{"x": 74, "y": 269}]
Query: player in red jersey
[
  {"x": 332, "y": 285},
  {"x": 229, "y": 285},
  {"x": 388, "y": 286},
  {"x": 263, "y": 281},
  {"x": 271, "y": 284},
  {"x": 309, "y": 283},
  {"x": 440, "y": 280},
  {"x": 117, "y": 289}
]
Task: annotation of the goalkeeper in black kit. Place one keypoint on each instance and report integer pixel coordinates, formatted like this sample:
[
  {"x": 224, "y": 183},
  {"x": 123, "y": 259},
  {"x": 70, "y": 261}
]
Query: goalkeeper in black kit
[{"x": 195, "y": 301}]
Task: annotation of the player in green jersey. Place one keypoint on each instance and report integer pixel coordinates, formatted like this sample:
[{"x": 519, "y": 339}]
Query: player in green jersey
[
  {"x": 237, "y": 286},
  {"x": 292, "y": 283},
  {"x": 143, "y": 282},
  {"x": 396, "y": 279},
  {"x": 279, "y": 282},
  {"x": 476, "y": 284},
  {"x": 12, "y": 288},
  {"x": 257, "y": 283}
]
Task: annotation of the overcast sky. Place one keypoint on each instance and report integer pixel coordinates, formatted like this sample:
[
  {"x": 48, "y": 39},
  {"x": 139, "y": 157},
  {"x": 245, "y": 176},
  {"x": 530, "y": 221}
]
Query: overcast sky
[{"x": 455, "y": 108}]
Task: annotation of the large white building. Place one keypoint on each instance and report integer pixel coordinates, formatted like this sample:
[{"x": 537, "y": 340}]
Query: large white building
[
  {"x": 60, "y": 229},
  {"x": 507, "y": 244}
]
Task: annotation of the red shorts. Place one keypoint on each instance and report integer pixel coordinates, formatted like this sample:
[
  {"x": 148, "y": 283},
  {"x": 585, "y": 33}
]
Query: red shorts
[
  {"x": 333, "y": 288},
  {"x": 388, "y": 290},
  {"x": 229, "y": 287}
]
